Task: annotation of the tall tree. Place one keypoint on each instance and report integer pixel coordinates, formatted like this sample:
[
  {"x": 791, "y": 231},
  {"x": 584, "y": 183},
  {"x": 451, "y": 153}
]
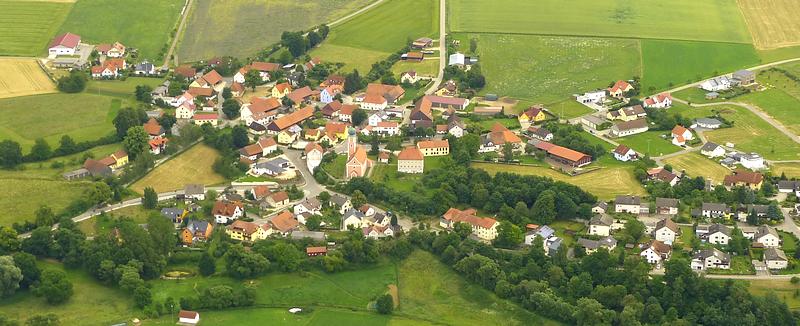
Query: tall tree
[
  {"x": 41, "y": 150},
  {"x": 10, "y": 154},
  {"x": 54, "y": 287},
  {"x": 352, "y": 82},
  {"x": 240, "y": 136},
  {"x": 150, "y": 199},
  {"x": 508, "y": 235},
  {"x": 544, "y": 209},
  {"x": 127, "y": 118},
  {"x": 136, "y": 141},
  {"x": 251, "y": 79},
  {"x": 8, "y": 240},
  {"x": 207, "y": 265},
  {"x": 10, "y": 276},
  {"x": 66, "y": 145}
]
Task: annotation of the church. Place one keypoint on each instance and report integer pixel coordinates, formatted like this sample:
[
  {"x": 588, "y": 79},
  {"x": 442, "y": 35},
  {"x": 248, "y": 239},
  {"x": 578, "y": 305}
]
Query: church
[{"x": 357, "y": 160}]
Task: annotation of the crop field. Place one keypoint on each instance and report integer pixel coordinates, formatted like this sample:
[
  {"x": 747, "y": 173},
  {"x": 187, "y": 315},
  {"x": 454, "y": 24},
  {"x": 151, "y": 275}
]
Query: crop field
[
  {"x": 673, "y": 63},
  {"x": 28, "y": 26},
  {"x": 241, "y": 28},
  {"x": 783, "y": 288},
  {"x": 650, "y": 143},
  {"x": 50, "y": 116},
  {"x": 21, "y": 77},
  {"x": 772, "y": 23},
  {"x": 142, "y": 24},
  {"x": 680, "y": 19},
  {"x": 385, "y": 28},
  {"x": 606, "y": 183},
  {"x": 548, "y": 69},
  {"x": 698, "y": 165},
  {"x": 425, "y": 68},
  {"x": 792, "y": 170},
  {"x": 751, "y": 133},
  {"x": 23, "y": 196},
  {"x": 191, "y": 166}
]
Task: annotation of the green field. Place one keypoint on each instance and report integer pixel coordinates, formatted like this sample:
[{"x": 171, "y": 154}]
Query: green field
[
  {"x": 650, "y": 143},
  {"x": 241, "y": 28},
  {"x": 384, "y": 29},
  {"x": 698, "y": 165},
  {"x": 792, "y": 170},
  {"x": 781, "y": 100},
  {"x": 751, "y": 133},
  {"x": 424, "y": 68},
  {"x": 28, "y": 26},
  {"x": 120, "y": 88},
  {"x": 142, "y": 24},
  {"x": 681, "y": 19},
  {"x": 674, "y": 63},
  {"x": 388, "y": 175},
  {"x": 782, "y": 288},
  {"x": 50, "y": 116}
]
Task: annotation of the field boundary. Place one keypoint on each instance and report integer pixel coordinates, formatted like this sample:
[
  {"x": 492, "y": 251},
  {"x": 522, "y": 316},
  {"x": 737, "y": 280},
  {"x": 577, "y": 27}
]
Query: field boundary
[{"x": 599, "y": 36}]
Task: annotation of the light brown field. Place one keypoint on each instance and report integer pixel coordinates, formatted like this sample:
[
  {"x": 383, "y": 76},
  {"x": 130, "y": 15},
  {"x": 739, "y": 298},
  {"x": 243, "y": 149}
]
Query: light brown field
[
  {"x": 792, "y": 170},
  {"x": 192, "y": 166},
  {"x": 698, "y": 165},
  {"x": 56, "y": 1},
  {"x": 22, "y": 77},
  {"x": 772, "y": 23}
]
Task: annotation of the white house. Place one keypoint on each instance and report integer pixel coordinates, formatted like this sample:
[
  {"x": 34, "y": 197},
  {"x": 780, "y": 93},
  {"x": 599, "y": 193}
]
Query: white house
[
  {"x": 712, "y": 150},
  {"x": 328, "y": 93},
  {"x": 680, "y": 135},
  {"x": 627, "y": 204},
  {"x": 666, "y": 231},
  {"x": 409, "y": 77},
  {"x": 752, "y": 161},
  {"x": 314, "y": 153},
  {"x": 387, "y": 128},
  {"x": 410, "y": 160},
  {"x": 64, "y": 44},
  {"x": 716, "y": 84},
  {"x": 775, "y": 258},
  {"x": 188, "y": 317},
  {"x": 185, "y": 111},
  {"x": 483, "y": 227},
  {"x": 457, "y": 59},
  {"x": 353, "y": 219},
  {"x": 656, "y": 252},
  {"x": 309, "y": 205},
  {"x": 625, "y": 153},
  {"x": 767, "y": 237},
  {"x": 660, "y": 101},
  {"x": 627, "y": 128},
  {"x": 710, "y": 258},
  {"x": 600, "y": 225},
  {"x": 375, "y": 118},
  {"x": 225, "y": 212},
  {"x": 595, "y": 97},
  {"x": 715, "y": 234}
]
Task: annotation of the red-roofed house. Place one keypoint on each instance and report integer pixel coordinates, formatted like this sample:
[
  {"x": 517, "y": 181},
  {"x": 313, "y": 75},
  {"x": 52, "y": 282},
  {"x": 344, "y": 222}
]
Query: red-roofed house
[
  {"x": 64, "y": 44},
  {"x": 663, "y": 100},
  {"x": 680, "y": 135},
  {"x": 153, "y": 128},
  {"x": 157, "y": 145},
  {"x": 116, "y": 50},
  {"x": 410, "y": 160},
  {"x": 619, "y": 89},
  {"x": 496, "y": 139},
  {"x": 203, "y": 118},
  {"x": 225, "y": 211},
  {"x": 482, "y": 227},
  {"x": 328, "y": 93}
]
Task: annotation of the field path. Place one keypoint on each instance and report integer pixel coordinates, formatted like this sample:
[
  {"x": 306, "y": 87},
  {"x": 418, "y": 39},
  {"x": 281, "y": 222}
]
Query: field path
[
  {"x": 353, "y": 14},
  {"x": 178, "y": 33},
  {"x": 759, "y": 67},
  {"x": 442, "y": 47}
]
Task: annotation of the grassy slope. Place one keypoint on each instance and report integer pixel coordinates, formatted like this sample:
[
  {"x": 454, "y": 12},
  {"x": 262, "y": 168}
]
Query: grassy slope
[
  {"x": 383, "y": 29},
  {"x": 650, "y": 143},
  {"x": 142, "y": 24},
  {"x": 780, "y": 101},
  {"x": 29, "y": 26},
  {"x": 192, "y": 166},
  {"x": 241, "y": 28}
]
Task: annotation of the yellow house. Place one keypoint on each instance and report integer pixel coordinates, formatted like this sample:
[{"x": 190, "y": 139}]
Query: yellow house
[
  {"x": 532, "y": 115},
  {"x": 629, "y": 113},
  {"x": 281, "y": 90},
  {"x": 120, "y": 159},
  {"x": 330, "y": 138},
  {"x": 312, "y": 134},
  {"x": 201, "y": 119},
  {"x": 247, "y": 231},
  {"x": 619, "y": 89},
  {"x": 286, "y": 137}
]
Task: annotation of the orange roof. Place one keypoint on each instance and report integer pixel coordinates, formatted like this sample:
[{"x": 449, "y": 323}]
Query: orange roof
[
  {"x": 259, "y": 104},
  {"x": 468, "y": 216},
  {"x": 201, "y": 91},
  {"x": 237, "y": 87},
  {"x": 292, "y": 118},
  {"x": 336, "y": 127},
  {"x": 501, "y": 135},
  {"x": 153, "y": 128},
  {"x": 279, "y": 196},
  {"x": 679, "y": 130},
  {"x": 185, "y": 71},
  {"x": 265, "y": 66},
  {"x": 212, "y": 77},
  {"x": 247, "y": 228},
  {"x": 532, "y": 112},
  {"x": 157, "y": 142},
  {"x": 300, "y": 94},
  {"x": 359, "y": 156},
  {"x": 316, "y": 250},
  {"x": 433, "y": 144},
  {"x": 313, "y": 146},
  {"x": 388, "y": 124},
  {"x": 743, "y": 176},
  {"x": 567, "y": 153},
  {"x": 388, "y": 92},
  {"x": 620, "y": 85},
  {"x": 205, "y": 116},
  {"x": 225, "y": 208},
  {"x": 347, "y": 109},
  {"x": 374, "y": 99},
  {"x": 284, "y": 221},
  {"x": 261, "y": 191},
  {"x": 282, "y": 87},
  {"x": 410, "y": 153}
]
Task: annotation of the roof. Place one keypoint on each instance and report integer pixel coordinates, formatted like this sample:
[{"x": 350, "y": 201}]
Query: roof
[
  {"x": 606, "y": 242},
  {"x": 197, "y": 226},
  {"x": 339, "y": 200},
  {"x": 201, "y": 91},
  {"x": 566, "y": 153},
  {"x": 331, "y": 108},
  {"x": 291, "y": 119},
  {"x": 724, "y": 229},
  {"x": 67, "y": 40},
  {"x": 212, "y": 77},
  {"x": 300, "y": 235},
  {"x": 410, "y": 153},
  {"x": 715, "y": 207},
  {"x": 205, "y": 116},
  {"x": 313, "y": 146},
  {"x": 261, "y": 191},
  {"x": 774, "y": 254},
  {"x": 194, "y": 189},
  {"x": 265, "y": 66},
  {"x": 666, "y": 202},
  {"x": 538, "y": 131},
  {"x": 622, "y": 150},
  {"x": 679, "y": 130},
  {"x": 316, "y": 250},
  {"x": 188, "y": 314},
  {"x": 336, "y": 127},
  {"x": 468, "y": 216},
  {"x": 284, "y": 221},
  {"x": 620, "y": 85},
  {"x": 433, "y": 144},
  {"x": 709, "y": 146},
  {"x": 279, "y": 196},
  {"x": 743, "y": 176},
  {"x": 300, "y": 94},
  {"x": 225, "y": 208},
  {"x": 347, "y": 109},
  {"x": 660, "y": 247},
  {"x": 601, "y": 220},
  {"x": 764, "y": 230},
  {"x": 705, "y": 253},
  {"x": 186, "y": 71},
  {"x": 283, "y": 87},
  {"x": 259, "y": 104},
  {"x": 633, "y": 124},
  {"x": 668, "y": 223},
  {"x": 627, "y": 200},
  {"x": 153, "y": 128},
  {"x": 390, "y": 92},
  {"x": 247, "y": 228}
]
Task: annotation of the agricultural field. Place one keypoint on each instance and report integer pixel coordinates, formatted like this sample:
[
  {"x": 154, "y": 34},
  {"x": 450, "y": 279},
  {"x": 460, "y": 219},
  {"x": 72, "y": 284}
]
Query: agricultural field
[
  {"x": 698, "y": 60},
  {"x": 120, "y": 88},
  {"x": 783, "y": 288},
  {"x": 752, "y": 134},
  {"x": 143, "y": 24},
  {"x": 81, "y": 116},
  {"x": 353, "y": 58},
  {"x": 698, "y": 165},
  {"x": 22, "y": 77},
  {"x": 385, "y": 28},
  {"x": 650, "y": 143},
  {"x": 546, "y": 69},
  {"x": 241, "y": 28},
  {"x": 772, "y": 23},
  {"x": 792, "y": 170},
  {"x": 191, "y": 166},
  {"x": 28, "y": 26},
  {"x": 680, "y": 20},
  {"x": 605, "y": 183},
  {"x": 428, "y": 67}
]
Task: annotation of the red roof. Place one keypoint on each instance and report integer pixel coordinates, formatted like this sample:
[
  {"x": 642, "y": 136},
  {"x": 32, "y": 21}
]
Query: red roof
[
  {"x": 201, "y": 91},
  {"x": 619, "y": 85},
  {"x": 410, "y": 153},
  {"x": 433, "y": 143},
  {"x": 468, "y": 216},
  {"x": 153, "y": 128},
  {"x": 567, "y": 153},
  {"x": 292, "y": 119},
  {"x": 67, "y": 40},
  {"x": 188, "y": 314},
  {"x": 316, "y": 250},
  {"x": 205, "y": 116},
  {"x": 265, "y": 66},
  {"x": 284, "y": 221}
]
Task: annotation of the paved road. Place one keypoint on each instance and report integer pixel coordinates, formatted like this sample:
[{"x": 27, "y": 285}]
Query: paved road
[
  {"x": 174, "y": 44},
  {"x": 442, "y": 47}
]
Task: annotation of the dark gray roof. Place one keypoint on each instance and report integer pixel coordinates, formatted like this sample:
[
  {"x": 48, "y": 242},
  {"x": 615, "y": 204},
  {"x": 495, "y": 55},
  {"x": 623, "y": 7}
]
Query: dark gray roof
[
  {"x": 339, "y": 200},
  {"x": 627, "y": 200},
  {"x": 764, "y": 230},
  {"x": 774, "y": 254},
  {"x": 715, "y": 207},
  {"x": 724, "y": 229},
  {"x": 666, "y": 202},
  {"x": 172, "y": 213},
  {"x": 197, "y": 225},
  {"x": 709, "y": 146},
  {"x": 705, "y": 253},
  {"x": 194, "y": 189},
  {"x": 601, "y": 220},
  {"x": 606, "y": 242},
  {"x": 708, "y": 121},
  {"x": 789, "y": 184},
  {"x": 601, "y": 204}
]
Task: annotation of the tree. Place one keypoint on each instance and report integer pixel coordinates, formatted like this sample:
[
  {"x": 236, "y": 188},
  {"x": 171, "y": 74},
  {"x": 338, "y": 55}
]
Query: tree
[
  {"x": 53, "y": 286},
  {"x": 240, "y": 137},
  {"x": 508, "y": 235},
  {"x": 473, "y": 45},
  {"x": 313, "y": 39},
  {"x": 8, "y": 240},
  {"x": 227, "y": 93},
  {"x": 45, "y": 216},
  {"x": 66, "y": 145},
  {"x": 591, "y": 312},
  {"x": 508, "y": 152},
  {"x": 243, "y": 264},
  {"x": 136, "y": 141},
  {"x": 207, "y": 265},
  {"x": 150, "y": 199},
  {"x": 10, "y": 276},
  {"x": 295, "y": 42},
  {"x": 544, "y": 209},
  {"x": 752, "y": 217},
  {"x": 98, "y": 193},
  {"x": 384, "y": 304},
  {"x": 142, "y": 296},
  {"x": 27, "y": 265},
  {"x": 774, "y": 212},
  {"x": 10, "y": 154},
  {"x": 74, "y": 83},
  {"x": 144, "y": 93},
  {"x": 358, "y": 199},
  {"x": 352, "y": 82},
  {"x": 41, "y": 150},
  {"x": 359, "y": 116},
  {"x": 162, "y": 232},
  {"x": 314, "y": 222},
  {"x": 231, "y": 108},
  {"x": 127, "y": 118}
]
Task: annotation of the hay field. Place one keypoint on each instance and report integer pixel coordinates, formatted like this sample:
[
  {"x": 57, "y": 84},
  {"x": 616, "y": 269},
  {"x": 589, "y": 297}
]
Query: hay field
[
  {"x": 772, "y": 23},
  {"x": 698, "y": 165},
  {"x": 192, "y": 166},
  {"x": 21, "y": 77},
  {"x": 28, "y": 26},
  {"x": 678, "y": 19}
]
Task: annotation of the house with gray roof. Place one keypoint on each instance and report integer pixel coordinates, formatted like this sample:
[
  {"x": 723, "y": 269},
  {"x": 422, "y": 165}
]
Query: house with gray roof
[
  {"x": 591, "y": 246},
  {"x": 710, "y": 258}
]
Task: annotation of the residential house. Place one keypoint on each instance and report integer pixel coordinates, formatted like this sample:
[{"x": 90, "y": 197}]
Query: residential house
[
  {"x": 775, "y": 258},
  {"x": 434, "y": 147},
  {"x": 410, "y": 160},
  {"x": 341, "y": 203},
  {"x": 247, "y": 231},
  {"x": 116, "y": 50},
  {"x": 153, "y": 129},
  {"x": 379, "y": 232},
  {"x": 188, "y": 317},
  {"x": 660, "y": 101},
  {"x": 744, "y": 77},
  {"x": 591, "y": 246},
  {"x": 666, "y": 231},
  {"x": 752, "y": 161},
  {"x": 666, "y": 206},
  {"x": 680, "y": 135},
  {"x": 708, "y": 123},
  {"x": 539, "y": 133},
  {"x": 545, "y": 232},
  {"x": 656, "y": 252},
  {"x": 716, "y": 84},
  {"x": 345, "y": 114},
  {"x": 789, "y": 186},
  {"x": 710, "y": 258},
  {"x": 174, "y": 214},
  {"x": 628, "y": 113},
  {"x": 744, "y": 178},
  {"x": 196, "y": 230},
  {"x": 288, "y": 136},
  {"x": 64, "y": 44},
  {"x": 277, "y": 199},
  {"x": 203, "y": 118},
  {"x": 314, "y": 153},
  {"x": 717, "y": 234},
  {"x": 443, "y": 102},
  {"x": 309, "y": 205},
  {"x": 302, "y": 96},
  {"x": 383, "y": 157},
  {"x": 353, "y": 219},
  {"x": 185, "y": 110},
  {"x": 767, "y": 237},
  {"x": 600, "y": 225},
  {"x": 455, "y": 126},
  {"x": 715, "y": 210},
  {"x": 284, "y": 223},
  {"x": 421, "y": 116},
  {"x": 272, "y": 167},
  {"x": 262, "y": 147},
  {"x": 498, "y": 137},
  {"x": 600, "y": 208},
  {"x": 379, "y": 96},
  {"x": 194, "y": 192},
  {"x": 448, "y": 88},
  {"x": 532, "y": 115},
  {"x": 627, "y": 128},
  {"x": 410, "y": 77},
  {"x": 289, "y": 120},
  {"x": 281, "y": 90},
  {"x": 625, "y": 153},
  {"x": 712, "y": 150},
  {"x": 211, "y": 79},
  {"x": 483, "y": 227},
  {"x": 185, "y": 71},
  {"x": 663, "y": 175},
  {"x": 261, "y": 110},
  {"x": 619, "y": 89},
  {"x": 376, "y": 117},
  {"x": 627, "y": 204},
  {"x": 225, "y": 211},
  {"x": 386, "y": 128},
  {"x": 594, "y": 97},
  {"x": 157, "y": 145}
]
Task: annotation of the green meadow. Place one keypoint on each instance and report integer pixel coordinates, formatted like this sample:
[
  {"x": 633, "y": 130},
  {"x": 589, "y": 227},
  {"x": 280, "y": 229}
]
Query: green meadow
[{"x": 28, "y": 26}]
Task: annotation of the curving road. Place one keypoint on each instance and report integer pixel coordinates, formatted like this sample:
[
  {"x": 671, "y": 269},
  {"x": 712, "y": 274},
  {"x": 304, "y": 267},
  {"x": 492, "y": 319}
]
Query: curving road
[{"x": 759, "y": 67}]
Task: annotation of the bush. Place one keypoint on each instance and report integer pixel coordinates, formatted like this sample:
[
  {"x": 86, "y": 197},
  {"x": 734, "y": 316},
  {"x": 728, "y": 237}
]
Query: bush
[
  {"x": 74, "y": 83},
  {"x": 385, "y": 304}
]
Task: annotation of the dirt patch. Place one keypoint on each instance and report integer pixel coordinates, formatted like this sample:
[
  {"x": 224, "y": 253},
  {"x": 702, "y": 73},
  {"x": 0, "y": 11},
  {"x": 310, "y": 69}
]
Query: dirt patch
[
  {"x": 503, "y": 101},
  {"x": 22, "y": 77},
  {"x": 393, "y": 291}
]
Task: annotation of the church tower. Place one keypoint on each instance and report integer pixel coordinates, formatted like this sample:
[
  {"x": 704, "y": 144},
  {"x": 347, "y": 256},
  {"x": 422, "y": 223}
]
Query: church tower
[{"x": 352, "y": 142}]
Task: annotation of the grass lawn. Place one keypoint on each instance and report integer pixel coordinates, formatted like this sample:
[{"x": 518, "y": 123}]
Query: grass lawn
[
  {"x": 562, "y": 226},
  {"x": 547, "y": 69},
  {"x": 605, "y": 183},
  {"x": 751, "y": 133},
  {"x": 241, "y": 28},
  {"x": 789, "y": 244},
  {"x": 782, "y": 288},
  {"x": 687, "y": 234},
  {"x": 698, "y": 60},
  {"x": 101, "y": 225},
  {"x": 336, "y": 167},
  {"x": 142, "y": 24},
  {"x": 81, "y": 116},
  {"x": 431, "y": 290},
  {"x": 486, "y": 124},
  {"x": 120, "y": 88},
  {"x": 28, "y": 26},
  {"x": 387, "y": 174},
  {"x": 696, "y": 164},
  {"x": 650, "y": 143},
  {"x": 383, "y": 29},
  {"x": 695, "y": 95},
  {"x": 23, "y": 196},
  {"x": 191, "y": 166},
  {"x": 681, "y": 19},
  {"x": 281, "y": 316},
  {"x": 781, "y": 101},
  {"x": 424, "y": 68},
  {"x": 740, "y": 265},
  {"x": 569, "y": 109}
]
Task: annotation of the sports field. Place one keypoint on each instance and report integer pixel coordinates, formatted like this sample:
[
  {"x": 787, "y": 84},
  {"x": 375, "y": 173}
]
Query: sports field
[
  {"x": 606, "y": 183},
  {"x": 142, "y": 24},
  {"x": 698, "y": 165},
  {"x": 191, "y": 166},
  {"x": 772, "y": 23},
  {"x": 50, "y": 116},
  {"x": 674, "y": 63},
  {"x": 385, "y": 28},
  {"x": 679, "y": 19},
  {"x": 241, "y": 28},
  {"x": 28, "y": 26},
  {"x": 21, "y": 77},
  {"x": 548, "y": 69}
]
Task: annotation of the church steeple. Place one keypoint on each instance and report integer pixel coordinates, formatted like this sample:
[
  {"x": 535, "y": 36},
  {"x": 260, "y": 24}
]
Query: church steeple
[{"x": 352, "y": 142}]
